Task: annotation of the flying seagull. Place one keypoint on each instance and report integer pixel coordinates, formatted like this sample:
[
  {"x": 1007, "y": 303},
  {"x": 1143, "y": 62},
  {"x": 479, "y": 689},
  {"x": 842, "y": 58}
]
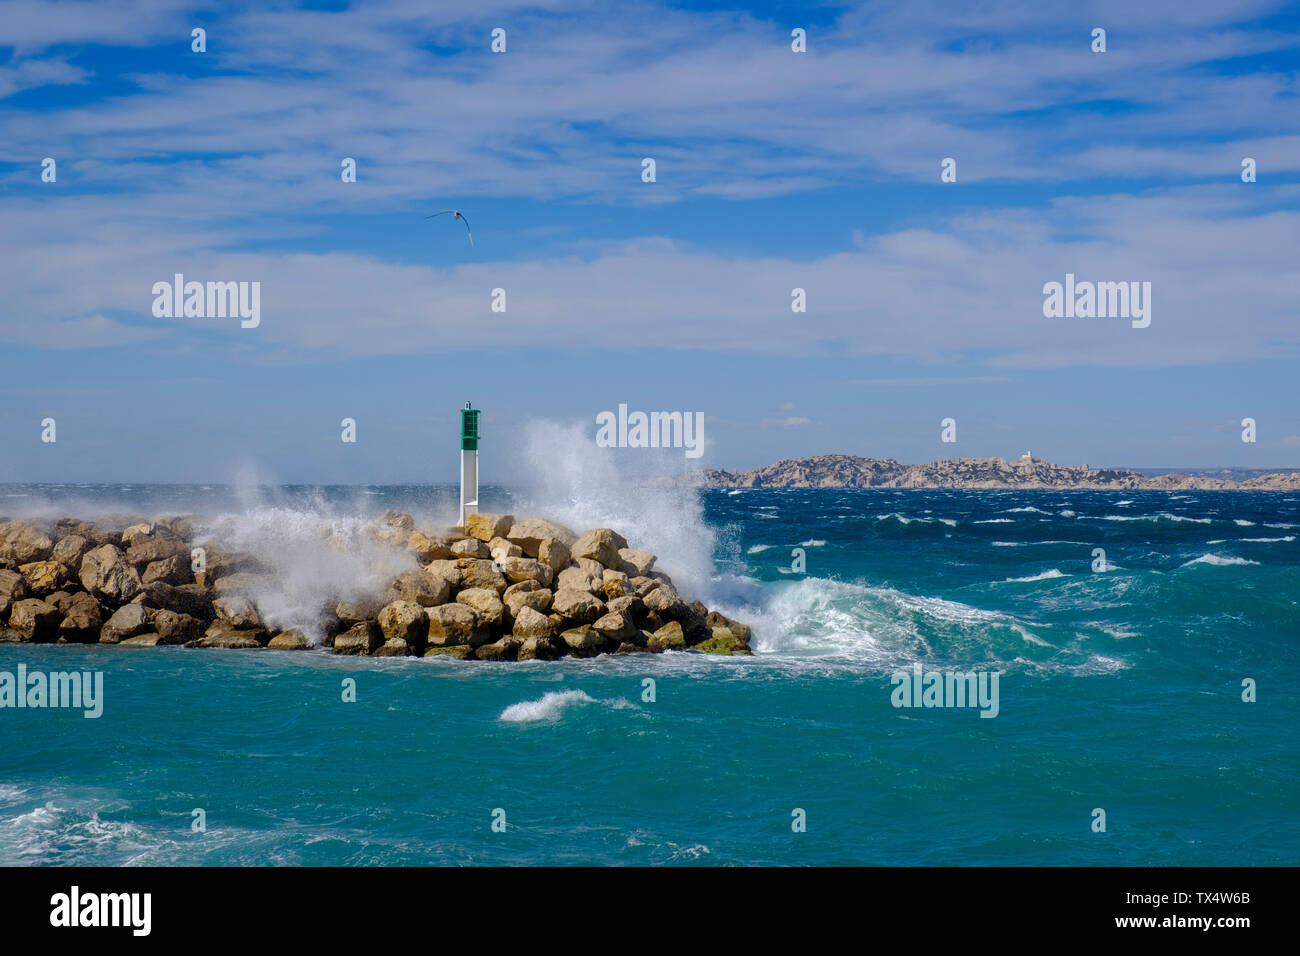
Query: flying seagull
[{"x": 456, "y": 214}]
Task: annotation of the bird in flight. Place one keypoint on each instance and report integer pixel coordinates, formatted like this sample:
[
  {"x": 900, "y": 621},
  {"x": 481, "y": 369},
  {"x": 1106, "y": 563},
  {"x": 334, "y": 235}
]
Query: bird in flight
[{"x": 456, "y": 214}]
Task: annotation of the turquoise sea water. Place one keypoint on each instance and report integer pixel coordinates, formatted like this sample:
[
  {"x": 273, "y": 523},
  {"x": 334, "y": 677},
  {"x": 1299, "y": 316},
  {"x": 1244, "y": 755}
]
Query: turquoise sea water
[{"x": 1120, "y": 690}]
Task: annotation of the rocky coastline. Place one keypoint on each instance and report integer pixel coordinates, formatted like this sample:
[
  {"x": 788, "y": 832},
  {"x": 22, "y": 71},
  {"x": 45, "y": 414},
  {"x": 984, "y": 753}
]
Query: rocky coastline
[
  {"x": 1026, "y": 472},
  {"x": 497, "y": 589}
]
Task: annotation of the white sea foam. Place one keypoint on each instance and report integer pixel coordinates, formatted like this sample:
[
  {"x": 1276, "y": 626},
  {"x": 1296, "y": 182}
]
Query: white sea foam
[
  {"x": 1026, "y": 544},
  {"x": 904, "y": 519},
  {"x": 552, "y": 706},
  {"x": 996, "y": 521},
  {"x": 854, "y": 624},
  {"x": 1162, "y": 516},
  {"x": 1218, "y": 560},
  {"x": 581, "y": 485},
  {"x": 812, "y": 543},
  {"x": 316, "y": 556},
  {"x": 758, "y": 548},
  {"x": 1243, "y": 523},
  {"x": 1046, "y": 575},
  {"x": 1026, "y": 510}
]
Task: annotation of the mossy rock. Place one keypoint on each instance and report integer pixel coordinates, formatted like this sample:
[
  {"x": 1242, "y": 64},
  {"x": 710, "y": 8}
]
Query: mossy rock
[
  {"x": 460, "y": 652},
  {"x": 723, "y": 642}
]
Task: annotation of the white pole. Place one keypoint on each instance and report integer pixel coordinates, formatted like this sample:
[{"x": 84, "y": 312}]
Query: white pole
[
  {"x": 468, "y": 462},
  {"x": 468, "y": 484}
]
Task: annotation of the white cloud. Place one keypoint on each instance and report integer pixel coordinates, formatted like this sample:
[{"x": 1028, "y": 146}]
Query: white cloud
[{"x": 1223, "y": 276}]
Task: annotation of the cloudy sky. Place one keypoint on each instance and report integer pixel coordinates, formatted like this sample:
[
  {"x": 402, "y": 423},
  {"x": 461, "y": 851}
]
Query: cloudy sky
[{"x": 775, "y": 170}]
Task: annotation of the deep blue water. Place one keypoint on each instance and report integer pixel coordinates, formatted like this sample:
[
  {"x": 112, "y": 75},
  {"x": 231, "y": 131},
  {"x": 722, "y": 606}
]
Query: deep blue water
[{"x": 1120, "y": 690}]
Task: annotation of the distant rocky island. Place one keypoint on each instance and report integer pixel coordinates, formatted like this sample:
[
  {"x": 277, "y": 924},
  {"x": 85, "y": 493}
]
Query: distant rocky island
[{"x": 1028, "y": 472}]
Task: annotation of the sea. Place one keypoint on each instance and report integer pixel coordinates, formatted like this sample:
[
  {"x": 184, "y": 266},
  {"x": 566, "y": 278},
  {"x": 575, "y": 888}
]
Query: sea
[{"x": 1146, "y": 647}]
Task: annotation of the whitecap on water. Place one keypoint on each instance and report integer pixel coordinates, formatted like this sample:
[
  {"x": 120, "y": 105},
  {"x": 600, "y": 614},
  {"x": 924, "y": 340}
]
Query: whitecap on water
[{"x": 552, "y": 705}]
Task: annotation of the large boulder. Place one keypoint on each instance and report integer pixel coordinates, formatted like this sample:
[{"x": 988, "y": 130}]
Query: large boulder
[
  {"x": 173, "y": 627},
  {"x": 405, "y": 621},
  {"x": 44, "y": 577},
  {"x": 554, "y": 553},
  {"x": 485, "y": 527},
  {"x": 444, "y": 568},
  {"x": 456, "y": 624},
  {"x": 532, "y": 624},
  {"x": 362, "y": 638},
  {"x": 527, "y": 594},
  {"x": 470, "y": 548},
  {"x": 616, "y": 584},
  {"x": 537, "y": 648},
  {"x": 290, "y": 640},
  {"x": 526, "y": 569},
  {"x": 481, "y": 573},
  {"x": 459, "y": 652},
  {"x": 615, "y": 627},
  {"x": 126, "y": 621},
  {"x": 173, "y": 570},
  {"x": 357, "y": 610},
  {"x": 224, "y": 634},
  {"x": 670, "y": 637},
  {"x": 740, "y": 631},
  {"x": 238, "y": 611},
  {"x": 531, "y": 532},
  {"x": 147, "y": 639},
  {"x": 664, "y": 600},
  {"x": 393, "y": 647},
  {"x": 65, "y": 527},
  {"x": 60, "y": 599},
  {"x": 428, "y": 545},
  {"x": 503, "y": 649},
  {"x": 485, "y": 602},
  {"x": 499, "y": 548},
  {"x": 35, "y": 620},
  {"x": 107, "y": 575},
  {"x": 13, "y": 588},
  {"x": 24, "y": 543},
  {"x": 578, "y": 607},
  {"x": 600, "y": 544},
  {"x": 723, "y": 641},
  {"x": 69, "y": 549},
  {"x": 584, "y": 641},
  {"x": 193, "y": 599},
  {"x": 630, "y": 605},
  {"x": 135, "y": 532},
  {"x": 576, "y": 578},
  {"x": 82, "y": 619},
  {"x": 419, "y": 587},
  {"x": 156, "y": 547},
  {"x": 636, "y": 563}
]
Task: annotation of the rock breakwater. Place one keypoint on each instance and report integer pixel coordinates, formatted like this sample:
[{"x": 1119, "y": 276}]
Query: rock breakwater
[{"x": 497, "y": 589}]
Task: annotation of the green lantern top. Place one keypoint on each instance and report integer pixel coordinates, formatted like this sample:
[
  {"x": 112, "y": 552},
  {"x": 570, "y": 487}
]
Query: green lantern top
[{"x": 469, "y": 428}]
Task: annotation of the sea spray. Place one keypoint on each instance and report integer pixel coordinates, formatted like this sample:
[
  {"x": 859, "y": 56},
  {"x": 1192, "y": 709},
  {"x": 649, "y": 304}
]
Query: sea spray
[
  {"x": 574, "y": 482},
  {"x": 317, "y": 555},
  {"x": 552, "y": 706}
]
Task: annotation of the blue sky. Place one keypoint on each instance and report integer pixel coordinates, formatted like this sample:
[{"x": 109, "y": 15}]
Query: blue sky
[{"x": 775, "y": 170}]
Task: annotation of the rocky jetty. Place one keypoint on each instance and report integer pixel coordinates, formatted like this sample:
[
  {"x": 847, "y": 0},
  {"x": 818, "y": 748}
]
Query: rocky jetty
[
  {"x": 850, "y": 471},
  {"x": 498, "y": 589}
]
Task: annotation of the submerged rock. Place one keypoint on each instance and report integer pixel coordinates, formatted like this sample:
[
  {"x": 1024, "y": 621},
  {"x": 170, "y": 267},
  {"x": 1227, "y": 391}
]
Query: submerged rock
[{"x": 290, "y": 640}]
